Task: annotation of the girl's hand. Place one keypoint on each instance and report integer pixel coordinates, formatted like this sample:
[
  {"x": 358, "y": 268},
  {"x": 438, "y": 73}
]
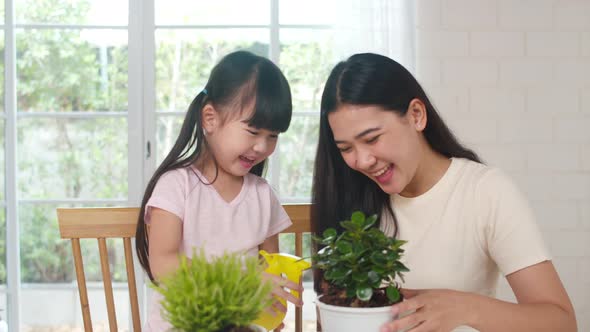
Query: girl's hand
[
  {"x": 279, "y": 328},
  {"x": 278, "y": 291},
  {"x": 439, "y": 310}
]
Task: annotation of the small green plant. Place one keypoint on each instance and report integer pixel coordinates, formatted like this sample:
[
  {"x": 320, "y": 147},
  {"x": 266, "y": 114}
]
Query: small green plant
[
  {"x": 214, "y": 295},
  {"x": 361, "y": 264}
]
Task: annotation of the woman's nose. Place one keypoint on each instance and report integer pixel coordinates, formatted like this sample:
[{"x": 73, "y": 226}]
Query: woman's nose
[{"x": 365, "y": 160}]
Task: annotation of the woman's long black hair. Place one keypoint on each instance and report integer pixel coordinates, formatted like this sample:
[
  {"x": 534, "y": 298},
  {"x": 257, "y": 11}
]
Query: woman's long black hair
[
  {"x": 338, "y": 190},
  {"x": 238, "y": 79}
]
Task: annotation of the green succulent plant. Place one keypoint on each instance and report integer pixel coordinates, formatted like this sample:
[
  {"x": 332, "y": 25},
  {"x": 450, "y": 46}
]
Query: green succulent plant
[
  {"x": 214, "y": 294},
  {"x": 361, "y": 263}
]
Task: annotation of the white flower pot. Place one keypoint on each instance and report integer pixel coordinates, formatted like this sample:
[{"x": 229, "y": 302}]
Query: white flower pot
[{"x": 345, "y": 319}]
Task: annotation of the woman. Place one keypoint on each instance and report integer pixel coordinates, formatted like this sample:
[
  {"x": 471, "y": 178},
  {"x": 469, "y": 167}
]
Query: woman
[{"x": 384, "y": 149}]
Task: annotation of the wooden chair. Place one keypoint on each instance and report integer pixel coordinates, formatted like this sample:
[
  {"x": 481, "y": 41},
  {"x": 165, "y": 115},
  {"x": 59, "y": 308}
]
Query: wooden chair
[{"x": 104, "y": 223}]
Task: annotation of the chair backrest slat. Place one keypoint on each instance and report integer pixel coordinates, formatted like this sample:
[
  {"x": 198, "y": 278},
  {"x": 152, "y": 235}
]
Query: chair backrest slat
[
  {"x": 299, "y": 214},
  {"x": 298, "y": 310},
  {"x": 103, "y": 223},
  {"x": 97, "y": 222},
  {"x": 108, "y": 286},
  {"x": 131, "y": 283},
  {"x": 81, "y": 278}
]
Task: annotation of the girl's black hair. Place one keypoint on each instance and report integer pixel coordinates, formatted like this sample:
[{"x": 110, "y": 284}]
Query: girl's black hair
[
  {"x": 338, "y": 190},
  {"x": 237, "y": 80}
]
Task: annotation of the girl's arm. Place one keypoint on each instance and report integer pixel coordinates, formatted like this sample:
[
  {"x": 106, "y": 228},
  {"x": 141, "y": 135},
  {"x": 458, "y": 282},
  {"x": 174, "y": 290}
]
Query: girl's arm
[
  {"x": 165, "y": 235},
  {"x": 271, "y": 244},
  {"x": 543, "y": 305}
]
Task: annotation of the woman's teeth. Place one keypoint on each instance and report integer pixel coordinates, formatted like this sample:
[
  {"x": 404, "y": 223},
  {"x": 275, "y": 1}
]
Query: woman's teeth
[{"x": 383, "y": 170}]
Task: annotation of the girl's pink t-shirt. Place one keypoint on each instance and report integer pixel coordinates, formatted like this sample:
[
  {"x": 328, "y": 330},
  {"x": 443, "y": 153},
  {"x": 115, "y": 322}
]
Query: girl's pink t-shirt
[{"x": 211, "y": 223}]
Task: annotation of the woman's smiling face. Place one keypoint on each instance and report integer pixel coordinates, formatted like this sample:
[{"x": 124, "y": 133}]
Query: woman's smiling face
[{"x": 383, "y": 145}]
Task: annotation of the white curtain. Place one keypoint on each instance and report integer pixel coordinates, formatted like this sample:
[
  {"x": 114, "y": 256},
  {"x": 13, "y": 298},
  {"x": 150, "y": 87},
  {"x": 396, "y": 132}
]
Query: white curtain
[{"x": 379, "y": 26}]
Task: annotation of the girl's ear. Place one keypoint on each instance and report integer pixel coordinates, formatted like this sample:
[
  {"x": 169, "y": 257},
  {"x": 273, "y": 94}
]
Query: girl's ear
[
  {"x": 210, "y": 118},
  {"x": 417, "y": 114}
]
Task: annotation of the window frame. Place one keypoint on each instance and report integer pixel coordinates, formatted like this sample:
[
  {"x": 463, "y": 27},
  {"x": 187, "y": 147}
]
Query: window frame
[{"x": 141, "y": 119}]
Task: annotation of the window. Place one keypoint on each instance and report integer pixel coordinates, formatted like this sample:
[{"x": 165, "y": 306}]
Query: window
[
  {"x": 89, "y": 86},
  {"x": 69, "y": 117}
]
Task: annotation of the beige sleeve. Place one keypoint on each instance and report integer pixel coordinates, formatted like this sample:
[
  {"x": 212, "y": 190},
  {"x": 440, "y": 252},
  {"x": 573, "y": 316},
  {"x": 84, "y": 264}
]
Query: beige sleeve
[{"x": 513, "y": 238}]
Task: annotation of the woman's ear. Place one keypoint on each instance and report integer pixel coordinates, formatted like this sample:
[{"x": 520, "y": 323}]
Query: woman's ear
[
  {"x": 210, "y": 118},
  {"x": 417, "y": 114}
]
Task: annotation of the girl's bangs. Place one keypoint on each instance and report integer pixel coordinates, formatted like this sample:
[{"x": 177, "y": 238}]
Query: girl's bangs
[{"x": 273, "y": 107}]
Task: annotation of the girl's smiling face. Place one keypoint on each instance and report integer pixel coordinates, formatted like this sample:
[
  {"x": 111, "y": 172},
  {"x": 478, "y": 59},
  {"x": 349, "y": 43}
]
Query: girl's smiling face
[
  {"x": 382, "y": 144},
  {"x": 236, "y": 145}
]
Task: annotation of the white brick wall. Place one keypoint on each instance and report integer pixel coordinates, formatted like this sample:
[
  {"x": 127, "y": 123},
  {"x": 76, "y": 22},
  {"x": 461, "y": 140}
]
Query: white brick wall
[
  {"x": 525, "y": 72},
  {"x": 512, "y": 79},
  {"x": 585, "y": 152},
  {"x": 551, "y": 101},
  {"x": 524, "y": 15},
  {"x": 585, "y": 36},
  {"x": 468, "y": 14},
  {"x": 497, "y": 43},
  {"x": 573, "y": 72},
  {"x": 467, "y": 71},
  {"x": 443, "y": 43},
  {"x": 585, "y": 100},
  {"x": 572, "y": 15},
  {"x": 550, "y": 43},
  {"x": 563, "y": 158},
  {"x": 496, "y": 100}
]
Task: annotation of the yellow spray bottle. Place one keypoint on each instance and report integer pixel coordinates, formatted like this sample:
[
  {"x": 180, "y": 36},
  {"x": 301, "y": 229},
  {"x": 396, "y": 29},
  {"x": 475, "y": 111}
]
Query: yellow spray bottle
[{"x": 281, "y": 264}]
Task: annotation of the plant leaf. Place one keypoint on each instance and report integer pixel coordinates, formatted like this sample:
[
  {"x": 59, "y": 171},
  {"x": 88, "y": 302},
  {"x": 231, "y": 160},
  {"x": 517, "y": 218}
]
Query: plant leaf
[
  {"x": 330, "y": 233},
  {"x": 359, "y": 276},
  {"x": 399, "y": 266},
  {"x": 373, "y": 276},
  {"x": 350, "y": 225},
  {"x": 344, "y": 247},
  {"x": 337, "y": 273},
  {"x": 370, "y": 222},
  {"x": 358, "y": 218},
  {"x": 398, "y": 243},
  {"x": 392, "y": 293},
  {"x": 364, "y": 293},
  {"x": 378, "y": 258}
]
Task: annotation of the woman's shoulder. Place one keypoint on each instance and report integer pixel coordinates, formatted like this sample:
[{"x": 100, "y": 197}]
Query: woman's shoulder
[
  {"x": 487, "y": 181},
  {"x": 479, "y": 173}
]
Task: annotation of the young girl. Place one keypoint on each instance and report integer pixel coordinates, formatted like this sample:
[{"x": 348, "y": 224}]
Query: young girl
[
  {"x": 208, "y": 192},
  {"x": 384, "y": 149}
]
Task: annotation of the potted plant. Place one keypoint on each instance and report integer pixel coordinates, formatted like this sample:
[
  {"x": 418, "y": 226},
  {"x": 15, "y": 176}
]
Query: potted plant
[
  {"x": 359, "y": 267},
  {"x": 224, "y": 294}
]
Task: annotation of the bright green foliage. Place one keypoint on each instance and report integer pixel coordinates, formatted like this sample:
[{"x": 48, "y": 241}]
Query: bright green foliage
[
  {"x": 362, "y": 259},
  {"x": 210, "y": 295}
]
